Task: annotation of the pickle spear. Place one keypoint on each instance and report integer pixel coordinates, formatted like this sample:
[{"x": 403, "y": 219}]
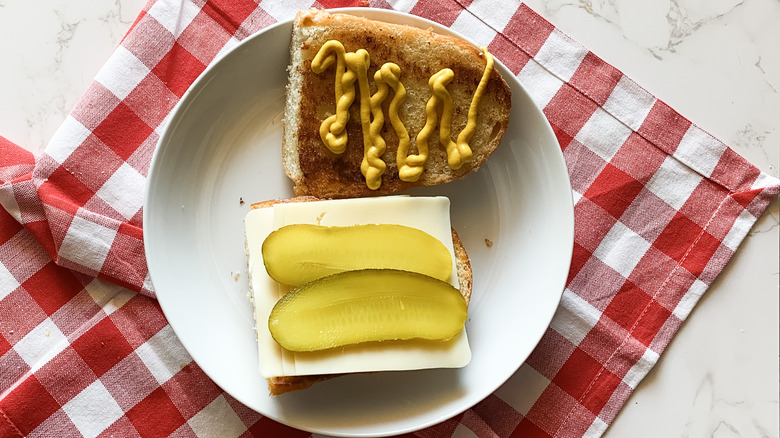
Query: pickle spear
[
  {"x": 364, "y": 306},
  {"x": 297, "y": 254}
]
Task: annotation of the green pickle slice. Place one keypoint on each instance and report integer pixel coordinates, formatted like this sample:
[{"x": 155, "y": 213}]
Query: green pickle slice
[
  {"x": 364, "y": 306},
  {"x": 300, "y": 253}
]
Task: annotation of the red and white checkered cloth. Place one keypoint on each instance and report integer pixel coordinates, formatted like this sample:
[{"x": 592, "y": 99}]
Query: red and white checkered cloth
[{"x": 661, "y": 206}]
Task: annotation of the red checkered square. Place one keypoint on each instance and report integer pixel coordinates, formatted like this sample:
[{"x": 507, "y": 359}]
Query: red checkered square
[
  {"x": 595, "y": 78},
  {"x": 203, "y": 38},
  {"x": 229, "y": 13},
  {"x": 613, "y": 190},
  {"x": 89, "y": 155},
  {"x": 735, "y": 172},
  {"x": 552, "y": 352},
  {"x": 664, "y": 127},
  {"x": 102, "y": 346},
  {"x": 716, "y": 263},
  {"x": 563, "y": 138},
  {"x": 569, "y": 109},
  {"x": 5, "y": 346},
  {"x": 191, "y": 390},
  {"x": 178, "y": 69},
  {"x": 65, "y": 375},
  {"x": 116, "y": 265},
  {"x": 499, "y": 417},
  {"x": 9, "y": 226},
  {"x": 149, "y": 29},
  {"x": 444, "y": 12},
  {"x": 20, "y": 313},
  {"x": 28, "y": 405},
  {"x": 580, "y": 256},
  {"x": 594, "y": 223},
  {"x": 155, "y": 415},
  {"x": 703, "y": 202},
  {"x": 648, "y": 215},
  {"x": 678, "y": 236},
  {"x": 268, "y": 427},
  {"x": 597, "y": 283},
  {"x": 65, "y": 191},
  {"x": 51, "y": 287},
  {"x": 87, "y": 112},
  {"x": 635, "y": 310},
  {"x": 603, "y": 339},
  {"x": 583, "y": 163},
  {"x": 512, "y": 56},
  {"x": 638, "y": 158},
  {"x": 124, "y": 428},
  {"x": 543, "y": 413},
  {"x": 527, "y": 429},
  {"x": 653, "y": 270},
  {"x": 151, "y": 100},
  {"x": 528, "y": 30},
  {"x": 699, "y": 257},
  {"x": 139, "y": 319},
  {"x": 122, "y": 131},
  {"x": 129, "y": 382},
  {"x": 12, "y": 368}
]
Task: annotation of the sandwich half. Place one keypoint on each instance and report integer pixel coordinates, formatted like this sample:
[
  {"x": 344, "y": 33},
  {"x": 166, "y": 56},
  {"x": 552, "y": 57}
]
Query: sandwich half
[
  {"x": 418, "y": 55},
  {"x": 295, "y": 371}
]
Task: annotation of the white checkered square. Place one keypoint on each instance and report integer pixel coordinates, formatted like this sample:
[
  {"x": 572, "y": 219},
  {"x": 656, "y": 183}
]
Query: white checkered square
[
  {"x": 699, "y": 150},
  {"x": 496, "y": 14},
  {"x": 539, "y": 83},
  {"x": 622, "y": 249},
  {"x": 108, "y": 296},
  {"x": 8, "y": 202},
  {"x": 93, "y": 410},
  {"x": 66, "y": 139},
  {"x": 603, "y": 134},
  {"x": 640, "y": 368},
  {"x": 404, "y": 5},
  {"x": 122, "y": 73},
  {"x": 763, "y": 181},
  {"x": 217, "y": 419},
  {"x": 574, "y": 318},
  {"x": 124, "y": 191},
  {"x": 163, "y": 354},
  {"x": 561, "y": 55},
  {"x": 7, "y": 282},
  {"x": 174, "y": 16},
  {"x": 523, "y": 389},
  {"x": 691, "y": 297},
  {"x": 87, "y": 243},
  {"x": 285, "y": 10},
  {"x": 42, "y": 343},
  {"x": 596, "y": 428},
  {"x": 674, "y": 182},
  {"x": 739, "y": 230},
  {"x": 629, "y": 103},
  {"x": 462, "y": 431},
  {"x": 476, "y": 30}
]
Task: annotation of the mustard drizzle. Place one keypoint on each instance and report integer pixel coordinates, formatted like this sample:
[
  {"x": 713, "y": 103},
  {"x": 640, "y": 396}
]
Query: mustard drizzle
[{"x": 352, "y": 67}]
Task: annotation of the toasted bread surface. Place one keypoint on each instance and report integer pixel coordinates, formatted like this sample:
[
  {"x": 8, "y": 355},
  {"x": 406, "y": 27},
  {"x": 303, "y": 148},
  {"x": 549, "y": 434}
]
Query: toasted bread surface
[
  {"x": 283, "y": 384},
  {"x": 420, "y": 54}
]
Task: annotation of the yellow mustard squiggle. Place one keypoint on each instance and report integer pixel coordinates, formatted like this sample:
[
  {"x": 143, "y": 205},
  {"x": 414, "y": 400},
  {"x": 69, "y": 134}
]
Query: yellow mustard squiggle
[
  {"x": 468, "y": 131},
  {"x": 371, "y": 121},
  {"x": 458, "y": 152},
  {"x": 333, "y": 129}
]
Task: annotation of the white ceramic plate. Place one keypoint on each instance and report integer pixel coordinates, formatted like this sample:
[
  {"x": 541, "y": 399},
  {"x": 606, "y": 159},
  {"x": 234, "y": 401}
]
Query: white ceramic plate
[{"x": 223, "y": 145}]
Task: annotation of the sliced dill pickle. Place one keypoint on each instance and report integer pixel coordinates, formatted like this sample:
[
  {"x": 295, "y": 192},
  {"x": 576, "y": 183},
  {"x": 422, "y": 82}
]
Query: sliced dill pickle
[
  {"x": 364, "y": 306},
  {"x": 298, "y": 254}
]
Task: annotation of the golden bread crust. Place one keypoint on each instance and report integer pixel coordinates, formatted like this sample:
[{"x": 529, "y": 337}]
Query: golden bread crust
[{"x": 420, "y": 54}]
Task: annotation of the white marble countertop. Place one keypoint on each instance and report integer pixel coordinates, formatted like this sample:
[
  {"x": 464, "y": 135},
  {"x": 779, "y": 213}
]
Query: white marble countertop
[{"x": 715, "y": 61}]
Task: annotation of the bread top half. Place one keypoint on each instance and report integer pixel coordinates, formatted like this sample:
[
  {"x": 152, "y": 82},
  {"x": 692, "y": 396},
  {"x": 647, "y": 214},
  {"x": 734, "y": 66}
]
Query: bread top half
[{"x": 420, "y": 54}]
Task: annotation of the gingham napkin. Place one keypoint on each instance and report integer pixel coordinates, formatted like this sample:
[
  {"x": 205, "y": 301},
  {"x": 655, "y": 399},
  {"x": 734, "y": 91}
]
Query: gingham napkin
[{"x": 661, "y": 206}]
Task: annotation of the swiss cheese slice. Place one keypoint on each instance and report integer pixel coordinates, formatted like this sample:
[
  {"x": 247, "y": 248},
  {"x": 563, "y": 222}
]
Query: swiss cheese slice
[{"x": 429, "y": 214}]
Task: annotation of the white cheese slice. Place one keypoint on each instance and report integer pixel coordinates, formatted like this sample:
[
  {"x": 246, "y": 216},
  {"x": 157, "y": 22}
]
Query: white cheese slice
[{"x": 430, "y": 214}]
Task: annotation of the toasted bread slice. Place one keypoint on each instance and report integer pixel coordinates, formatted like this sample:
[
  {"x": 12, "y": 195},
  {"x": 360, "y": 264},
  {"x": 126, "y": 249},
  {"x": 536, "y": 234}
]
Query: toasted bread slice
[
  {"x": 283, "y": 384},
  {"x": 420, "y": 54}
]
